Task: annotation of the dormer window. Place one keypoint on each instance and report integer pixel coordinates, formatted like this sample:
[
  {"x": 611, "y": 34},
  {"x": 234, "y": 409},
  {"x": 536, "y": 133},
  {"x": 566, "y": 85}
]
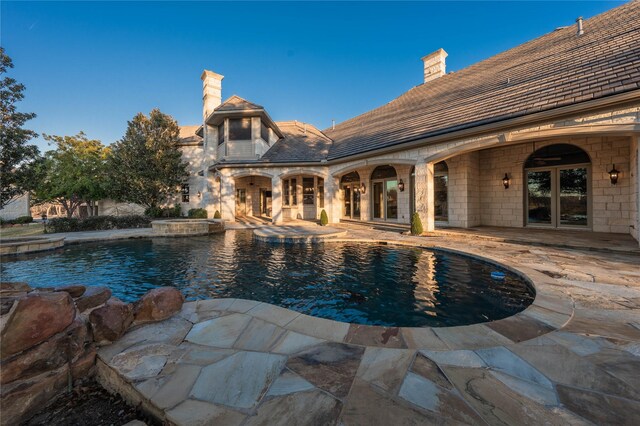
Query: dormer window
[
  {"x": 221, "y": 134},
  {"x": 240, "y": 129},
  {"x": 264, "y": 132}
]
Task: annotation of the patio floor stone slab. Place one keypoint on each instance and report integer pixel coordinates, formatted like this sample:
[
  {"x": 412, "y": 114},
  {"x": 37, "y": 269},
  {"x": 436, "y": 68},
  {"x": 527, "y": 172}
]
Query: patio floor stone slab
[
  {"x": 238, "y": 381},
  {"x": 572, "y": 357}
]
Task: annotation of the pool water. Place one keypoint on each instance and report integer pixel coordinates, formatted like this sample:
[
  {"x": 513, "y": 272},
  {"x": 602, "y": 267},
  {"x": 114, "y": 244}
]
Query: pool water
[{"x": 352, "y": 282}]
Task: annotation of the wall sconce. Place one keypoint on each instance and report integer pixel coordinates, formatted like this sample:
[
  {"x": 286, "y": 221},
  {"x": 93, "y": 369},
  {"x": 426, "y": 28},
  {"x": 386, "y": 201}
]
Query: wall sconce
[
  {"x": 363, "y": 188},
  {"x": 505, "y": 181},
  {"x": 199, "y": 194},
  {"x": 401, "y": 185},
  {"x": 614, "y": 175}
]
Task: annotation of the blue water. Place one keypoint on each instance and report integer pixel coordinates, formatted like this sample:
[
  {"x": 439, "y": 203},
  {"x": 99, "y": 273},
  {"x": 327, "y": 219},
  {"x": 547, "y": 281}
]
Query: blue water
[{"x": 351, "y": 282}]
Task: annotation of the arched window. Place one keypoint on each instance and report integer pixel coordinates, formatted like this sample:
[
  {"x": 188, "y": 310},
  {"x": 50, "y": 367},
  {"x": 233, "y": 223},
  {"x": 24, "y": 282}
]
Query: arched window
[
  {"x": 383, "y": 172},
  {"x": 557, "y": 180},
  {"x": 350, "y": 177}
]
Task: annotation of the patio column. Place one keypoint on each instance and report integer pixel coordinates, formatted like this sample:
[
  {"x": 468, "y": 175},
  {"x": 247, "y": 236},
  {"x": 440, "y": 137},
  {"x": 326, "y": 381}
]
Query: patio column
[
  {"x": 276, "y": 201},
  {"x": 365, "y": 199},
  {"x": 228, "y": 198},
  {"x": 333, "y": 196},
  {"x": 424, "y": 195}
]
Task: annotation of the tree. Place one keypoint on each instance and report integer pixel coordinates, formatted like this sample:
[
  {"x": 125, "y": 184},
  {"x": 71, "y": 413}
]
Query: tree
[
  {"x": 74, "y": 173},
  {"x": 146, "y": 165},
  {"x": 17, "y": 158}
]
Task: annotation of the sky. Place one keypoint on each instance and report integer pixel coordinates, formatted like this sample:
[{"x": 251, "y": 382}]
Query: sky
[{"x": 91, "y": 66}]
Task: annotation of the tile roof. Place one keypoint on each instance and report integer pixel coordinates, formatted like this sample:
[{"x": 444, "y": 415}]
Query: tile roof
[
  {"x": 557, "y": 69},
  {"x": 188, "y": 135},
  {"x": 298, "y": 146},
  {"x": 236, "y": 103}
]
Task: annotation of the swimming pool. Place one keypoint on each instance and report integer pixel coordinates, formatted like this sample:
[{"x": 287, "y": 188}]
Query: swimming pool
[{"x": 351, "y": 282}]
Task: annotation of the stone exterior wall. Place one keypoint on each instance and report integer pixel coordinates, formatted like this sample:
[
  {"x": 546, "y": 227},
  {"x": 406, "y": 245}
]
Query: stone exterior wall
[
  {"x": 634, "y": 175},
  {"x": 612, "y": 206},
  {"x": 464, "y": 190},
  {"x": 16, "y": 208}
]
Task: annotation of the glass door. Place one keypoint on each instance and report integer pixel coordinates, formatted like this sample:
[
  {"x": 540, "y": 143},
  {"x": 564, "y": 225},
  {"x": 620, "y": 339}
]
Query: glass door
[
  {"x": 241, "y": 202},
  {"x": 539, "y": 199},
  {"x": 347, "y": 202},
  {"x": 378, "y": 200},
  {"x": 573, "y": 197},
  {"x": 356, "y": 202},
  {"x": 391, "y": 199},
  {"x": 558, "y": 197}
]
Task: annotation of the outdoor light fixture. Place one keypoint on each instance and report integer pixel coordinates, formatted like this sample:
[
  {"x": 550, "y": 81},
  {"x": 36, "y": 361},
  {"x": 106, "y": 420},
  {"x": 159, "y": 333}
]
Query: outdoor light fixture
[
  {"x": 401, "y": 185},
  {"x": 363, "y": 188},
  {"x": 505, "y": 181},
  {"x": 199, "y": 194},
  {"x": 613, "y": 175}
]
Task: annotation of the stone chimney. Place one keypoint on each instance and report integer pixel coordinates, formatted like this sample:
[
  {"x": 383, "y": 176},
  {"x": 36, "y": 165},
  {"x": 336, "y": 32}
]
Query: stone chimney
[
  {"x": 211, "y": 92},
  {"x": 434, "y": 65}
]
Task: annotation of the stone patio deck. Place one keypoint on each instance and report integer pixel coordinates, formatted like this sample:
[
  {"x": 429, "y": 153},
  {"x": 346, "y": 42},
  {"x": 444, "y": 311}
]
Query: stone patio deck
[{"x": 573, "y": 357}]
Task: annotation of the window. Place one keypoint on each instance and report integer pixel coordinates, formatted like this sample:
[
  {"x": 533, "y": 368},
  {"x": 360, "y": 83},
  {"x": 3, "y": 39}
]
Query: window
[
  {"x": 286, "y": 192},
  {"x": 239, "y": 129},
  {"x": 294, "y": 193},
  {"x": 185, "y": 193},
  {"x": 221, "y": 134},
  {"x": 264, "y": 132},
  {"x": 308, "y": 192},
  {"x": 321, "y": 193}
]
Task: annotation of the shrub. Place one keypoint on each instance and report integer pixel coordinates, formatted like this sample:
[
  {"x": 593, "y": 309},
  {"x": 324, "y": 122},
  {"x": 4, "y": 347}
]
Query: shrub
[
  {"x": 416, "y": 224},
  {"x": 158, "y": 212},
  {"x": 198, "y": 213},
  {"x": 96, "y": 223},
  {"x": 324, "y": 220},
  {"x": 23, "y": 219},
  {"x": 216, "y": 215}
]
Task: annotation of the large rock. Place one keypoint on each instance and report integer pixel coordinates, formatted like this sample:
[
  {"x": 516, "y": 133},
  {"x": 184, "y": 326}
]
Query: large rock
[
  {"x": 36, "y": 317},
  {"x": 14, "y": 286},
  {"x": 158, "y": 304},
  {"x": 110, "y": 321},
  {"x": 58, "y": 350},
  {"x": 74, "y": 290},
  {"x": 92, "y": 297},
  {"x": 21, "y": 400}
]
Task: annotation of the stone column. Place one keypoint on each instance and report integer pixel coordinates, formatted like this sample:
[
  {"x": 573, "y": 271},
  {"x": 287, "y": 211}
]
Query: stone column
[
  {"x": 276, "y": 201},
  {"x": 333, "y": 195},
  {"x": 228, "y": 198},
  {"x": 424, "y": 195}
]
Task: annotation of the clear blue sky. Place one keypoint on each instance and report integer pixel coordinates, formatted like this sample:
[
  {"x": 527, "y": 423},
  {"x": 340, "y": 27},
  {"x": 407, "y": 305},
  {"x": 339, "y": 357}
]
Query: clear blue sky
[{"x": 92, "y": 66}]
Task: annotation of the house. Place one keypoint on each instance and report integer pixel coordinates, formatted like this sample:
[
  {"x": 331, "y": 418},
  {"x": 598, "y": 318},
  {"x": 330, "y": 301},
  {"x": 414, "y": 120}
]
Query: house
[
  {"x": 17, "y": 207},
  {"x": 542, "y": 135}
]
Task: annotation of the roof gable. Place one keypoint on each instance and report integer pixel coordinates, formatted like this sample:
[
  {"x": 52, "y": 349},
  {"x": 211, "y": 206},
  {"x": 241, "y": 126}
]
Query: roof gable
[{"x": 236, "y": 103}]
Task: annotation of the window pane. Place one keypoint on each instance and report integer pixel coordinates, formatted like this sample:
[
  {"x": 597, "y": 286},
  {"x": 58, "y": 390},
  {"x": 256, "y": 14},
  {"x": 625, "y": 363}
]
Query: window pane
[
  {"x": 356, "y": 204},
  {"x": 286, "y": 193},
  {"x": 378, "y": 199},
  {"x": 264, "y": 132},
  {"x": 573, "y": 197},
  {"x": 239, "y": 129},
  {"x": 308, "y": 194},
  {"x": 294, "y": 193},
  {"x": 347, "y": 201},
  {"x": 392, "y": 199},
  {"x": 440, "y": 197},
  {"x": 221, "y": 134},
  {"x": 539, "y": 188},
  {"x": 382, "y": 172},
  {"x": 320, "y": 192}
]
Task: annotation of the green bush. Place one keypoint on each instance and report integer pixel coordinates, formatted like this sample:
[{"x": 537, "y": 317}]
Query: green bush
[
  {"x": 17, "y": 221},
  {"x": 198, "y": 213},
  {"x": 416, "y": 224},
  {"x": 23, "y": 219},
  {"x": 324, "y": 219},
  {"x": 161, "y": 212},
  {"x": 97, "y": 223},
  {"x": 216, "y": 215}
]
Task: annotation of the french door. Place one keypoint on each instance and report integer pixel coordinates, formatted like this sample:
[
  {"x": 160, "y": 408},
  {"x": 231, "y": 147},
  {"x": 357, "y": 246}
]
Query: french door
[
  {"x": 385, "y": 199},
  {"x": 351, "y": 206},
  {"x": 558, "y": 197}
]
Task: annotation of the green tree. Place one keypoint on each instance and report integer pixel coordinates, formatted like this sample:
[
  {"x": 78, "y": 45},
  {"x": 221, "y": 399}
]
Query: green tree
[
  {"x": 74, "y": 173},
  {"x": 17, "y": 158},
  {"x": 146, "y": 165}
]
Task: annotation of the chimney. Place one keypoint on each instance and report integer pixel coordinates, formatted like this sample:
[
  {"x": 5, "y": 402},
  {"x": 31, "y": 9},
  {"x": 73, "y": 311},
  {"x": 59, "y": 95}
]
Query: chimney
[
  {"x": 211, "y": 92},
  {"x": 434, "y": 65},
  {"x": 580, "y": 29}
]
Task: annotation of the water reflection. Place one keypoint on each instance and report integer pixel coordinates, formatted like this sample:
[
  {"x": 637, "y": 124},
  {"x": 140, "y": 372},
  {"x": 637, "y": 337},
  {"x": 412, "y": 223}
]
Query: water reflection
[{"x": 360, "y": 283}]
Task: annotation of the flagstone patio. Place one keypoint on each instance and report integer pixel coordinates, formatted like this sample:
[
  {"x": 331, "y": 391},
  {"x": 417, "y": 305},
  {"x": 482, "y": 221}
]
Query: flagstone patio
[{"x": 572, "y": 357}]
